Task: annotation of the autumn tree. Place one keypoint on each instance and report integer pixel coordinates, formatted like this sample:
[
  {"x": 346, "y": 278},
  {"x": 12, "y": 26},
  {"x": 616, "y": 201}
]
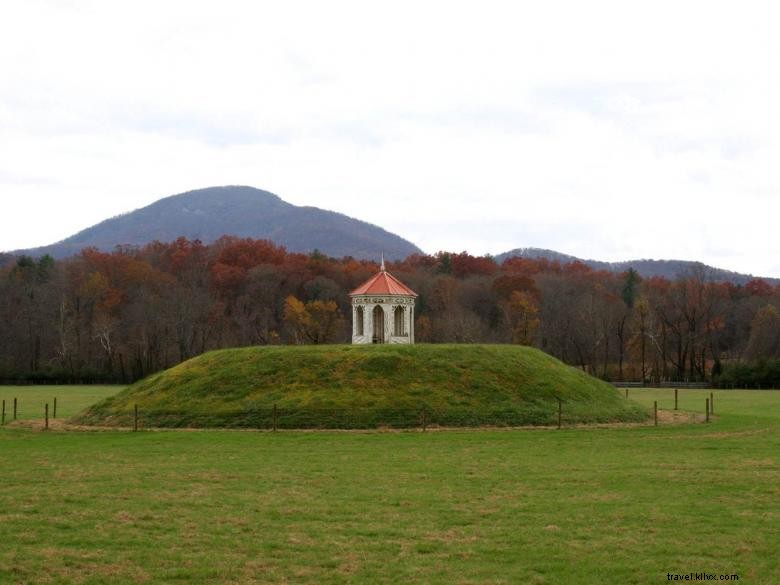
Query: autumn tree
[
  {"x": 523, "y": 314},
  {"x": 312, "y": 322},
  {"x": 764, "y": 342},
  {"x": 123, "y": 314},
  {"x": 32, "y": 306}
]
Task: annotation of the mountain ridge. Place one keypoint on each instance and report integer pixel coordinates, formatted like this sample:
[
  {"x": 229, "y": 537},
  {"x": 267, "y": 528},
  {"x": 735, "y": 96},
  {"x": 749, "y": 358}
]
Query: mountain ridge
[
  {"x": 646, "y": 267},
  {"x": 236, "y": 210},
  {"x": 242, "y": 211}
]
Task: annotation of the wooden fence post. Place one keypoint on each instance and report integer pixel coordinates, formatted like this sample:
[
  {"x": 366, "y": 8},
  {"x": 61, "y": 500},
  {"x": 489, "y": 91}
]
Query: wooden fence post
[
  {"x": 424, "y": 419},
  {"x": 675, "y": 398},
  {"x": 14, "y": 408},
  {"x": 712, "y": 403},
  {"x": 707, "y": 408},
  {"x": 2, "y": 421},
  {"x": 560, "y": 411},
  {"x": 135, "y": 418},
  {"x": 655, "y": 412},
  {"x": 274, "y": 418},
  {"x": 46, "y": 427},
  {"x": 626, "y": 392},
  {"x": 54, "y": 413}
]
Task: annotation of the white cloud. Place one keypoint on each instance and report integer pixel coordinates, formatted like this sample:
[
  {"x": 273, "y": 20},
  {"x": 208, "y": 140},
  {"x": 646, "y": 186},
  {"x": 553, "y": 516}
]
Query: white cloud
[{"x": 607, "y": 130}]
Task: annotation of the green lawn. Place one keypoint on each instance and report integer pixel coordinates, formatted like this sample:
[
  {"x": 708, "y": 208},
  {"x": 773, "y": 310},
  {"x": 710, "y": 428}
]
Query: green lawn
[
  {"x": 31, "y": 400},
  {"x": 613, "y": 505}
]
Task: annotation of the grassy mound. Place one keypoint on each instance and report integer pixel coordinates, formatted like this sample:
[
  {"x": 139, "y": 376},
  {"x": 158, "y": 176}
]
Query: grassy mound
[{"x": 365, "y": 387}]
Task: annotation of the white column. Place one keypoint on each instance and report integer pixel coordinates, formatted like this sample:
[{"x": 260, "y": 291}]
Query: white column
[
  {"x": 411, "y": 324},
  {"x": 388, "y": 323}
]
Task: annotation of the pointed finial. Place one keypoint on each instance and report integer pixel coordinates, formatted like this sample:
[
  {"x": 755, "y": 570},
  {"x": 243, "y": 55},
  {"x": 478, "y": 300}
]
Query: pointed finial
[{"x": 382, "y": 266}]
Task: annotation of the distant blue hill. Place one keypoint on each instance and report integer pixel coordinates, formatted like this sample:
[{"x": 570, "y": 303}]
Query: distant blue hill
[
  {"x": 208, "y": 214},
  {"x": 670, "y": 269}
]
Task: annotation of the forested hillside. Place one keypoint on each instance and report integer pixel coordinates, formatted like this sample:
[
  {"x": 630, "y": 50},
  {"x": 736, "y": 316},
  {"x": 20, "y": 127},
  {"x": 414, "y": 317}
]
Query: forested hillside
[
  {"x": 122, "y": 315},
  {"x": 208, "y": 214}
]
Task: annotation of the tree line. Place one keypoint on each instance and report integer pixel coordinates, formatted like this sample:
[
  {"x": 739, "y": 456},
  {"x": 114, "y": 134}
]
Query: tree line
[{"x": 122, "y": 315}]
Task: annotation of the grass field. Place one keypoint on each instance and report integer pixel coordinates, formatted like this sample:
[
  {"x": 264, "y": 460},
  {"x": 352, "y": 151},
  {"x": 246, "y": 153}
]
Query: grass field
[
  {"x": 31, "y": 400},
  {"x": 610, "y": 505}
]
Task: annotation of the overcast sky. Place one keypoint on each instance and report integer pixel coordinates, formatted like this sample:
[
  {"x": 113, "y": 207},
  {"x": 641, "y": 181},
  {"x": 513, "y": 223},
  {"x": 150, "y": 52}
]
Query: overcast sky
[{"x": 607, "y": 130}]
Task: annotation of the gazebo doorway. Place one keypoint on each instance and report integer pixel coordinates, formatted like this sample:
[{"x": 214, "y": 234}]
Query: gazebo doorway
[{"x": 378, "y": 317}]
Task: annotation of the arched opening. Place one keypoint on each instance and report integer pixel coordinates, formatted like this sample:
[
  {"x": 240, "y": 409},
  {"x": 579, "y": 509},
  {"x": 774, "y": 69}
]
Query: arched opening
[
  {"x": 379, "y": 325},
  {"x": 359, "y": 321},
  {"x": 398, "y": 318}
]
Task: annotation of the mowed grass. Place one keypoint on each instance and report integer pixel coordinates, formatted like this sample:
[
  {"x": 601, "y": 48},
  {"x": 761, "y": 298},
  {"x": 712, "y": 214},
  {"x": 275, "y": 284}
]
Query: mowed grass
[
  {"x": 608, "y": 505},
  {"x": 32, "y": 400}
]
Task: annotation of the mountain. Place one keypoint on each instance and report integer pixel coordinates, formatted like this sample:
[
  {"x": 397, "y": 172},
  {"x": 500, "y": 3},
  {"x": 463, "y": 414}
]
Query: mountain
[
  {"x": 208, "y": 214},
  {"x": 670, "y": 269}
]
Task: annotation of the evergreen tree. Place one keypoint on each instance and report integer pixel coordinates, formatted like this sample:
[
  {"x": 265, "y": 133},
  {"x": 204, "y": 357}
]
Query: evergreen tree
[{"x": 630, "y": 288}]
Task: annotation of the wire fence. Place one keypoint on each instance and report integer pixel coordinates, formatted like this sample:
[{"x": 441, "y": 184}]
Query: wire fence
[
  {"x": 680, "y": 384},
  {"x": 46, "y": 381},
  {"x": 547, "y": 413},
  {"x": 719, "y": 385},
  {"x": 556, "y": 413}
]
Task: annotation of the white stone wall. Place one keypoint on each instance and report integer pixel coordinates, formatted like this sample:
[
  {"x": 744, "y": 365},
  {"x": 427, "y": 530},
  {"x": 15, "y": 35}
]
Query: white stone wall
[{"x": 388, "y": 304}]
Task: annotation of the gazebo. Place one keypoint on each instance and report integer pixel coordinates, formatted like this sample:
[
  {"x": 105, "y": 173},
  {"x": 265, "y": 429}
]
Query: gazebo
[{"x": 383, "y": 310}]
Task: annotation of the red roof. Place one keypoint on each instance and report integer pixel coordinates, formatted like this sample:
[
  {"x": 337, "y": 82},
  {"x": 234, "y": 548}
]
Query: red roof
[{"x": 383, "y": 283}]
